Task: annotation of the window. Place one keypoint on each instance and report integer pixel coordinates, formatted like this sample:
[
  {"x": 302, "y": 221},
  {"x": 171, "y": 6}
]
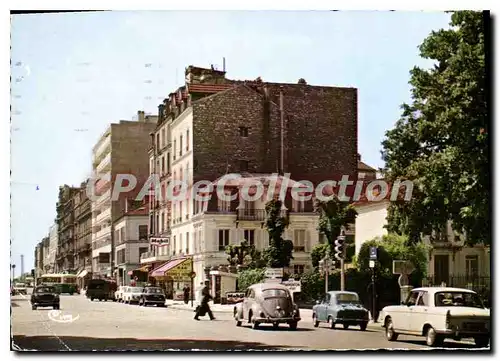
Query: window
[
  {"x": 174, "y": 246},
  {"x": 244, "y": 132},
  {"x": 143, "y": 232},
  {"x": 249, "y": 235},
  {"x": 223, "y": 239},
  {"x": 122, "y": 234},
  {"x": 187, "y": 140},
  {"x": 299, "y": 240},
  {"x": 151, "y": 166},
  {"x": 143, "y": 250},
  {"x": 157, "y": 223},
  {"x": 158, "y": 142},
  {"x": 175, "y": 148},
  {"x": 298, "y": 206},
  {"x": 298, "y": 269},
  {"x": 224, "y": 205},
  {"x": 187, "y": 242},
  {"x": 423, "y": 300},
  {"x": 412, "y": 299},
  {"x": 168, "y": 162},
  {"x": 152, "y": 223},
  {"x": 162, "y": 138},
  {"x": 162, "y": 165},
  {"x": 180, "y": 210},
  {"x": 180, "y": 146},
  {"x": 181, "y": 175},
  {"x": 162, "y": 224},
  {"x": 195, "y": 238},
  {"x": 180, "y": 243},
  {"x": 243, "y": 165},
  {"x": 471, "y": 265}
]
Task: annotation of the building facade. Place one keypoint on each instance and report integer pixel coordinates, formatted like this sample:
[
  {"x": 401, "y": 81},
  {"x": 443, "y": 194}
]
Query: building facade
[
  {"x": 83, "y": 235},
  {"x": 50, "y": 260},
  {"x": 65, "y": 256},
  {"x": 123, "y": 149}
]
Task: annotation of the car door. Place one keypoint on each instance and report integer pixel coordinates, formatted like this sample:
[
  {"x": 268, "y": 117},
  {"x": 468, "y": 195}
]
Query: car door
[
  {"x": 325, "y": 304},
  {"x": 319, "y": 309},
  {"x": 246, "y": 303},
  {"x": 402, "y": 316},
  {"x": 418, "y": 313}
]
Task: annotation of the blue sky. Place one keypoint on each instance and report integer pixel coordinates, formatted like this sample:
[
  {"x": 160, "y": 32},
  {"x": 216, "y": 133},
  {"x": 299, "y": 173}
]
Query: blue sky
[{"x": 78, "y": 72}]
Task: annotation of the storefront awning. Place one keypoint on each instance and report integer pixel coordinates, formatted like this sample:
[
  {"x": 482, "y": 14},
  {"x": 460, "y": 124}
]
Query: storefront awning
[
  {"x": 143, "y": 269},
  {"x": 160, "y": 271},
  {"x": 82, "y": 274}
]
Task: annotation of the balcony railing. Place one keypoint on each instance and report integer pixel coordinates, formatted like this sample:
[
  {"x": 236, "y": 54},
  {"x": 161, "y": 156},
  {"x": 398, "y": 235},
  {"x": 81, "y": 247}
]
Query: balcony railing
[
  {"x": 248, "y": 214},
  {"x": 104, "y": 231},
  {"x": 104, "y": 215},
  {"x": 103, "y": 198},
  {"x": 104, "y": 165},
  {"x": 102, "y": 150}
]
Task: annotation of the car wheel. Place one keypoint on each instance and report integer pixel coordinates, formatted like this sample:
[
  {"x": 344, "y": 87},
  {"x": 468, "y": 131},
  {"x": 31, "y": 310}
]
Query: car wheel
[
  {"x": 71, "y": 293},
  {"x": 389, "y": 330},
  {"x": 276, "y": 325},
  {"x": 345, "y": 325},
  {"x": 363, "y": 326},
  {"x": 293, "y": 326},
  {"x": 56, "y": 307},
  {"x": 255, "y": 324},
  {"x": 92, "y": 298},
  {"x": 482, "y": 341},
  {"x": 432, "y": 338},
  {"x": 331, "y": 323},
  {"x": 315, "y": 320},
  {"x": 33, "y": 307}
]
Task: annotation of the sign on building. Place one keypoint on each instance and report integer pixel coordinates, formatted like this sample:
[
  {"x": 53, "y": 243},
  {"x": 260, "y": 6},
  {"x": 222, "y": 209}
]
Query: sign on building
[
  {"x": 181, "y": 272},
  {"x": 159, "y": 241},
  {"x": 292, "y": 285},
  {"x": 273, "y": 273}
]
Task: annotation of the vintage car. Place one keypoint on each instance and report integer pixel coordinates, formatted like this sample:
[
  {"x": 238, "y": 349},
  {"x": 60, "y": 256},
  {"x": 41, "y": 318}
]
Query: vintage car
[
  {"x": 340, "y": 307},
  {"x": 152, "y": 296},
  {"x": 269, "y": 303},
  {"x": 438, "y": 313},
  {"x": 20, "y": 289},
  {"x": 132, "y": 295},
  {"x": 45, "y": 296},
  {"x": 119, "y": 293}
]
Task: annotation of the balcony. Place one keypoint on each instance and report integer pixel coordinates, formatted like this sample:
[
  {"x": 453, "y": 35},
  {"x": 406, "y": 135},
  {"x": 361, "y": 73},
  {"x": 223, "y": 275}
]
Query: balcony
[
  {"x": 103, "y": 199},
  {"x": 248, "y": 214},
  {"x": 151, "y": 256},
  {"x": 104, "y": 215},
  {"x": 105, "y": 165},
  {"x": 103, "y": 232},
  {"x": 103, "y": 149}
]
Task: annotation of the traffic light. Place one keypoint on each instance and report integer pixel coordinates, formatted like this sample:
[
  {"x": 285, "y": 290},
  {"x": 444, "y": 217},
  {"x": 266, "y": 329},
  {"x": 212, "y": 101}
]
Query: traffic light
[
  {"x": 32, "y": 273},
  {"x": 339, "y": 247}
]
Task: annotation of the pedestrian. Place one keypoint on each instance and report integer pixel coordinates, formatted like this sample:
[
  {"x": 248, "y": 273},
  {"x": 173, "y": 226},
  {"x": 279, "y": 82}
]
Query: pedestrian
[
  {"x": 186, "y": 291},
  {"x": 204, "y": 306}
]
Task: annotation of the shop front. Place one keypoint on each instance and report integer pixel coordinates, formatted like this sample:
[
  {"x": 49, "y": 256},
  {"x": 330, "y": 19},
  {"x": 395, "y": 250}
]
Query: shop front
[{"x": 174, "y": 276}]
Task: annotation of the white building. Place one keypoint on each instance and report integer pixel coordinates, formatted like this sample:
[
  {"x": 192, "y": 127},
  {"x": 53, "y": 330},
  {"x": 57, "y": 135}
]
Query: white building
[
  {"x": 50, "y": 257},
  {"x": 131, "y": 239}
]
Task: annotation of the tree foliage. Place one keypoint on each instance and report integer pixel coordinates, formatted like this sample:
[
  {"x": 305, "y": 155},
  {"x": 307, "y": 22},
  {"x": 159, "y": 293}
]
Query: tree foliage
[
  {"x": 441, "y": 141},
  {"x": 248, "y": 277},
  {"x": 392, "y": 247},
  {"x": 245, "y": 255},
  {"x": 279, "y": 252},
  {"x": 319, "y": 252},
  {"x": 334, "y": 215}
]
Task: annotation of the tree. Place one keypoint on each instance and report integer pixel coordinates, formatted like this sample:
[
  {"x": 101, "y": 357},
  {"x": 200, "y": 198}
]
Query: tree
[
  {"x": 392, "y": 247},
  {"x": 279, "y": 252},
  {"x": 319, "y": 252},
  {"x": 249, "y": 277},
  {"x": 441, "y": 141},
  {"x": 334, "y": 215},
  {"x": 245, "y": 255}
]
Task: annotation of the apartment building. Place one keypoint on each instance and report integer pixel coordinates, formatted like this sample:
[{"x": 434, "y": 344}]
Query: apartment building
[
  {"x": 122, "y": 149},
  {"x": 83, "y": 234},
  {"x": 65, "y": 256},
  {"x": 213, "y": 126},
  {"x": 39, "y": 257},
  {"x": 50, "y": 256},
  {"x": 131, "y": 239}
]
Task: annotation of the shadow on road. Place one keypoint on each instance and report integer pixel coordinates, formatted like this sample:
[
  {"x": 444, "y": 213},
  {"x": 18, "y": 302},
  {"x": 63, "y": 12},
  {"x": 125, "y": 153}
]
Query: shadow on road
[
  {"x": 73, "y": 343},
  {"x": 449, "y": 344}
]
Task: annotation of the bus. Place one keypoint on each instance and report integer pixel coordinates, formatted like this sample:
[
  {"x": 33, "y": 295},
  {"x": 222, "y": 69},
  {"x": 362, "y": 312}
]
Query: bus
[{"x": 64, "y": 283}]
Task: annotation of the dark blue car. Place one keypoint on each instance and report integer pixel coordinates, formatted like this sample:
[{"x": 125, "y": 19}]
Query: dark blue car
[{"x": 340, "y": 307}]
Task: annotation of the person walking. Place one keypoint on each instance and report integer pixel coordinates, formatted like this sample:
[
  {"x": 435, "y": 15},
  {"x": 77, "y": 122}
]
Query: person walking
[
  {"x": 204, "y": 306},
  {"x": 186, "y": 290}
]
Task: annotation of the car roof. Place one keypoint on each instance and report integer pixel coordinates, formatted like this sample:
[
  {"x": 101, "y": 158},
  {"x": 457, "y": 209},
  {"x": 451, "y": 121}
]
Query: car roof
[
  {"x": 342, "y": 292},
  {"x": 268, "y": 286},
  {"x": 443, "y": 289}
]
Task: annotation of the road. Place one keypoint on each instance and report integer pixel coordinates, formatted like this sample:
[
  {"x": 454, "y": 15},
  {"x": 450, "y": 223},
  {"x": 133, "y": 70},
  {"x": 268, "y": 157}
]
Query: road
[{"x": 84, "y": 326}]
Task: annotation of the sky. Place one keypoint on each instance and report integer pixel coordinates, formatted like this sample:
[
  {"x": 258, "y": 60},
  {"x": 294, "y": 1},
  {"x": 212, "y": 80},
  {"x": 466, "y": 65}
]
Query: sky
[{"x": 75, "y": 73}]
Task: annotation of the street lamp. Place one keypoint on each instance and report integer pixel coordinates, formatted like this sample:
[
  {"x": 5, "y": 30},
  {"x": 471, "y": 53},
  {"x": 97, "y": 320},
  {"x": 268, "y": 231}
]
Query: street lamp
[{"x": 13, "y": 266}]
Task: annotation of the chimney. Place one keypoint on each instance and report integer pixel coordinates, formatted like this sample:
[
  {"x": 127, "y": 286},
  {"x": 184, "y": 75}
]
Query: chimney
[
  {"x": 140, "y": 116},
  {"x": 359, "y": 157}
]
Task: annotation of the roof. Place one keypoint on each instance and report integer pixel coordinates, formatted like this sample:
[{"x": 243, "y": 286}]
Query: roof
[
  {"x": 365, "y": 167},
  {"x": 443, "y": 289},
  {"x": 208, "y": 88},
  {"x": 269, "y": 286}
]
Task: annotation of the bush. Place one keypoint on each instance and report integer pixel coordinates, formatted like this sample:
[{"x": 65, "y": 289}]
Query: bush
[{"x": 249, "y": 277}]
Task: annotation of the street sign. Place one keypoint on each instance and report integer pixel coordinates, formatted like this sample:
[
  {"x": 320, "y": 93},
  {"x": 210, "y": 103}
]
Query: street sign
[
  {"x": 273, "y": 273},
  {"x": 373, "y": 253},
  {"x": 292, "y": 285},
  {"x": 372, "y": 263},
  {"x": 192, "y": 274}
]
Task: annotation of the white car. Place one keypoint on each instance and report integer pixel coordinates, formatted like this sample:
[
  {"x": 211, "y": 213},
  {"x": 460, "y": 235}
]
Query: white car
[
  {"x": 438, "y": 313},
  {"x": 132, "y": 295},
  {"x": 21, "y": 289},
  {"x": 119, "y": 293}
]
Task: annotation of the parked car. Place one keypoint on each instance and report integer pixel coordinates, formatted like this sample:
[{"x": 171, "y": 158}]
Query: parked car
[
  {"x": 20, "y": 289},
  {"x": 45, "y": 296},
  {"x": 152, "y": 296},
  {"x": 340, "y": 307},
  {"x": 269, "y": 303},
  {"x": 119, "y": 293},
  {"x": 102, "y": 290},
  {"x": 132, "y": 295},
  {"x": 438, "y": 313},
  {"x": 234, "y": 297}
]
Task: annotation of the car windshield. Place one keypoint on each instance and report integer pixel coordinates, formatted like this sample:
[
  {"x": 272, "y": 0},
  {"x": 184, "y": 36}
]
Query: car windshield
[
  {"x": 458, "y": 299},
  {"x": 135, "y": 290},
  {"x": 154, "y": 290},
  {"x": 347, "y": 298},
  {"x": 274, "y": 293},
  {"x": 20, "y": 285},
  {"x": 44, "y": 290}
]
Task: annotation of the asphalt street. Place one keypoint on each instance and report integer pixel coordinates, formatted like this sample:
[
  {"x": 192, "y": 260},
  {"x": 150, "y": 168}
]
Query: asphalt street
[{"x": 82, "y": 325}]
